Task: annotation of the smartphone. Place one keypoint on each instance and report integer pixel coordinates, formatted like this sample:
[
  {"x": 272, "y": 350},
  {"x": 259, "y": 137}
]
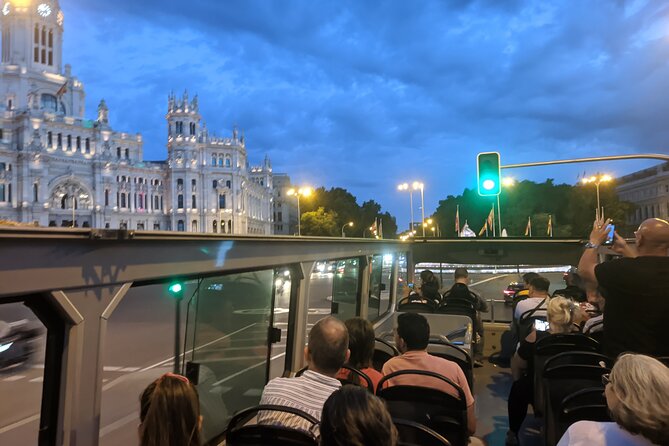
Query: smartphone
[
  {"x": 610, "y": 236},
  {"x": 540, "y": 325},
  {"x": 410, "y": 285}
]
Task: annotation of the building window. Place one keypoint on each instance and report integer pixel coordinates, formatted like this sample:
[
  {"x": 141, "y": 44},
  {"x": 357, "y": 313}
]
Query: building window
[
  {"x": 221, "y": 201},
  {"x": 156, "y": 226},
  {"x": 69, "y": 142},
  {"x": 35, "y": 192},
  {"x": 88, "y": 145},
  {"x": 180, "y": 226},
  {"x": 141, "y": 201},
  {"x": 194, "y": 225},
  {"x": 118, "y": 152},
  {"x": 156, "y": 202},
  {"x": 123, "y": 201},
  {"x": 49, "y": 139},
  {"x": 127, "y": 154},
  {"x": 228, "y": 184},
  {"x": 193, "y": 202},
  {"x": 193, "y": 183},
  {"x": 60, "y": 140},
  {"x": 220, "y": 161},
  {"x": 214, "y": 184},
  {"x": 180, "y": 201},
  {"x": 213, "y": 160},
  {"x": 192, "y": 128},
  {"x": 2, "y": 192},
  {"x": 180, "y": 182},
  {"x": 280, "y": 215},
  {"x": 78, "y": 143},
  {"x": 228, "y": 161},
  {"x": 106, "y": 197}
]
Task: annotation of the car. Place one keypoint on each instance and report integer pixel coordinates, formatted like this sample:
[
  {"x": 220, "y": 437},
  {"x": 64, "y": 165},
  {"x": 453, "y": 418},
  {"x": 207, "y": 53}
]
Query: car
[{"x": 511, "y": 290}]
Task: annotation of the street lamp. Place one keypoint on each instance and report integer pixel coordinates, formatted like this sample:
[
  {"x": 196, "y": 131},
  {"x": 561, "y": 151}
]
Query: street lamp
[
  {"x": 506, "y": 182},
  {"x": 350, "y": 223},
  {"x": 301, "y": 192},
  {"x": 416, "y": 185},
  {"x": 597, "y": 180},
  {"x": 405, "y": 186}
]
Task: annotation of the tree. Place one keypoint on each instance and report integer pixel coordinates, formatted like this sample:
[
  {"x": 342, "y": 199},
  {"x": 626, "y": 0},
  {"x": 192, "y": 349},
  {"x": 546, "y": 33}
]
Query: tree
[{"x": 320, "y": 222}]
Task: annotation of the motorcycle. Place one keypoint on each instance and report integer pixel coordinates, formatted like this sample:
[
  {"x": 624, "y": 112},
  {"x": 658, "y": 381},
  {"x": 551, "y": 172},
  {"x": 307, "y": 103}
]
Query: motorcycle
[{"x": 17, "y": 342}]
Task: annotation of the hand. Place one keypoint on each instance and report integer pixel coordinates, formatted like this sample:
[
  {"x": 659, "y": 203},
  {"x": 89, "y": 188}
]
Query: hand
[
  {"x": 621, "y": 247},
  {"x": 600, "y": 231}
]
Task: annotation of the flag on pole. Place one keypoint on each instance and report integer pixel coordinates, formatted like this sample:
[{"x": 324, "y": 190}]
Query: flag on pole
[
  {"x": 490, "y": 221},
  {"x": 484, "y": 229},
  {"x": 62, "y": 90},
  {"x": 380, "y": 228},
  {"x": 457, "y": 220},
  {"x": 528, "y": 228},
  {"x": 466, "y": 231},
  {"x": 373, "y": 228},
  {"x": 549, "y": 229}
]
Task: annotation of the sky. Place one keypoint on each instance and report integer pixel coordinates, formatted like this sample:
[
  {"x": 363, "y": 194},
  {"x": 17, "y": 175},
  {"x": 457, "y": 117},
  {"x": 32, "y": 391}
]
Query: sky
[{"x": 366, "y": 95}]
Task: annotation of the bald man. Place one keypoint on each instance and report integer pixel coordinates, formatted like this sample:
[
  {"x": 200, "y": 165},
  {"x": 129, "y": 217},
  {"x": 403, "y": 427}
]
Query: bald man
[
  {"x": 635, "y": 288},
  {"x": 325, "y": 353}
]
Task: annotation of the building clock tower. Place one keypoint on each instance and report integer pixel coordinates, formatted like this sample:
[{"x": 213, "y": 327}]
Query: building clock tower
[{"x": 32, "y": 34}]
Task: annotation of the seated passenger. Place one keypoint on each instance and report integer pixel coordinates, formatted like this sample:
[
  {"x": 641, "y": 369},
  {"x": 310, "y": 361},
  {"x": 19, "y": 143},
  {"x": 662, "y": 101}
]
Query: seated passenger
[
  {"x": 412, "y": 296},
  {"x": 460, "y": 290},
  {"x": 573, "y": 290},
  {"x": 536, "y": 299},
  {"x": 170, "y": 413},
  {"x": 325, "y": 353},
  {"x": 429, "y": 287},
  {"x": 354, "y": 417},
  {"x": 637, "y": 395},
  {"x": 562, "y": 313},
  {"x": 634, "y": 286},
  {"x": 361, "y": 345},
  {"x": 595, "y": 322},
  {"x": 411, "y": 338},
  {"x": 522, "y": 294}
]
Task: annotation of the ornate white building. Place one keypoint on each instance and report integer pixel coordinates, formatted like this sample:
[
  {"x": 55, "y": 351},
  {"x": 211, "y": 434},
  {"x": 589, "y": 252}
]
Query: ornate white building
[{"x": 59, "y": 169}]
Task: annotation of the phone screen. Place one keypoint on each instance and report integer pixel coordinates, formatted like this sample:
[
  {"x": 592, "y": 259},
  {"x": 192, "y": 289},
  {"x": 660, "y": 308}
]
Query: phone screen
[
  {"x": 540, "y": 325},
  {"x": 610, "y": 235},
  {"x": 410, "y": 285}
]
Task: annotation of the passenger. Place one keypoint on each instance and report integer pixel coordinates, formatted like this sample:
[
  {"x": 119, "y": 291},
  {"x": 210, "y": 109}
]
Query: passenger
[
  {"x": 573, "y": 290},
  {"x": 635, "y": 288},
  {"x": 536, "y": 299},
  {"x": 170, "y": 413},
  {"x": 562, "y": 313},
  {"x": 326, "y": 351},
  {"x": 411, "y": 338},
  {"x": 522, "y": 294},
  {"x": 429, "y": 287},
  {"x": 361, "y": 345},
  {"x": 354, "y": 417},
  {"x": 460, "y": 290},
  {"x": 595, "y": 323},
  {"x": 637, "y": 395}
]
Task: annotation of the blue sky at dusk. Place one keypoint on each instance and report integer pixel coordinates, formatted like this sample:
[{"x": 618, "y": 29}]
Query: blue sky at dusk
[{"x": 367, "y": 94}]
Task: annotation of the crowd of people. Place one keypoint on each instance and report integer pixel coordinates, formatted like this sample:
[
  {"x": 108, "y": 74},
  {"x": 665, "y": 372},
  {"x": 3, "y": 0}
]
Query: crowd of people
[{"x": 624, "y": 298}]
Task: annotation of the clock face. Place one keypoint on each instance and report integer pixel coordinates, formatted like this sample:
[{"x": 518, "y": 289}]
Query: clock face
[
  {"x": 44, "y": 10},
  {"x": 6, "y": 8}
]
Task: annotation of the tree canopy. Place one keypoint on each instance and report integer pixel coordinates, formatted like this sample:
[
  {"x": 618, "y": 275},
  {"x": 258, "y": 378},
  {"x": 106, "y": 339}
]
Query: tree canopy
[{"x": 571, "y": 209}]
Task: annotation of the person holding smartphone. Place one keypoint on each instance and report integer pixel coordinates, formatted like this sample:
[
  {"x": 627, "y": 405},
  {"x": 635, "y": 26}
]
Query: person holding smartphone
[
  {"x": 562, "y": 313},
  {"x": 634, "y": 286}
]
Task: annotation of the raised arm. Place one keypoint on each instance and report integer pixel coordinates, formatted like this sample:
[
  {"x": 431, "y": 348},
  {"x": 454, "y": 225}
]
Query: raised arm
[{"x": 589, "y": 259}]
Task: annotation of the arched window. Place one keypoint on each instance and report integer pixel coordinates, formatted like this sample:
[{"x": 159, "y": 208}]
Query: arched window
[
  {"x": 220, "y": 161},
  {"x": 123, "y": 201},
  {"x": 213, "y": 160},
  {"x": 215, "y": 227},
  {"x": 50, "y": 38},
  {"x": 194, "y": 202},
  {"x": 35, "y": 192},
  {"x": 180, "y": 201},
  {"x": 78, "y": 143},
  {"x": 194, "y": 225},
  {"x": 88, "y": 145},
  {"x": 49, "y": 103},
  {"x": 222, "y": 226},
  {"x": 106, "y": 197},
  {"x": 44, "y": 35},
  {"x": 156, "y": 202},
  {"x": 228, "y": 161},
  {"x": 180, "y": 226},
  {"x": 36, "y": 34},
  {"x": 229, "y": 226}
]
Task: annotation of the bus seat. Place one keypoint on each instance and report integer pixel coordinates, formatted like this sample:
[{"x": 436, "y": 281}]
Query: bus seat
[
  {"x": 241, "y": 434},
  {"x": 415, "y": 307},
  {"x": 550, "y": 346},
  {"x": 363, "y": 380},
  {"x": 431, "y": 407},
  {"x": 415, "y": 434},
  {"x": 383, "y": 351},
  {"x": 585, "y": 404},
  {"x": 444, "y": 349}
]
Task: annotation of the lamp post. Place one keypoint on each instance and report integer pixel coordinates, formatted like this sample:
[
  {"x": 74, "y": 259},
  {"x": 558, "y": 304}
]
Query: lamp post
[
  {"x": 417, "y": 185},
  {"x": 343, "y": 234},
  {"x": 506, "y": 182},
  {"x": 597, "y": 180},
  {"x": 301, "y": 192},
  {"x": 405, "y": 186}
]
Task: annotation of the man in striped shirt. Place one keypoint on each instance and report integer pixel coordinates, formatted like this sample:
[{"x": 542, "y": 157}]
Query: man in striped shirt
[{"x": 325, "y": 353}]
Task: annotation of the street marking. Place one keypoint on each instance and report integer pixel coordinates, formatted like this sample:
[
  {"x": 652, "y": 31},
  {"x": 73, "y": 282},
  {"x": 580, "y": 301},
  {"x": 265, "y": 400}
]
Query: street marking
[
  {"x": 253, "y": 392},
  {"x": 39, "y": 379},
  {"x": 111, "y": 369},
  {"x": 19, "y": 423},
  {"x": 489, "y": 279},
  {"x": 14, "y": 378},
  {"x": 248, "y": 369},
  {"x": 129, "y": 369},
  {"x": 119, "y": 423}
]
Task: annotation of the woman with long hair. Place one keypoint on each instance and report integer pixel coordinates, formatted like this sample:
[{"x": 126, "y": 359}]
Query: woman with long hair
[
  {"x": 637, "y": 395},
  {"x": 354, "y": 417},
  {"x": 361, "y": 342},
  {"x": 170, "y": 413}
]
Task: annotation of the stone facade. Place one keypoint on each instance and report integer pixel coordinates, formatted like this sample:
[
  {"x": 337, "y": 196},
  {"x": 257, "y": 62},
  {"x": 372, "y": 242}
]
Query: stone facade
[
  {"x": 648, "y": 189},
  {"x": 58, "y": 168}
]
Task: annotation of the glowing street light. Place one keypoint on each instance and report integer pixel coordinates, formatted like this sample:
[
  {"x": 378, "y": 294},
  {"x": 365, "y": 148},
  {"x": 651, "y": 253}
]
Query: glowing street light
[
  {"x": 350, "y": 223},
  {"x": 597, "y": 180},
  {"x": 402, "y": 187},
  {"x": 301, "y": 192}
]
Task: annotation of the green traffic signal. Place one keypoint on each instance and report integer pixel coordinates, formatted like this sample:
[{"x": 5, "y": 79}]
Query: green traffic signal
[
  {"x": 175, "y": 288},
  {"x": 488, "y": 174}
]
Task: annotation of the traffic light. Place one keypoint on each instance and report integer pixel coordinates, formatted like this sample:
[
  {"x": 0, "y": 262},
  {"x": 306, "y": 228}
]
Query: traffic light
[
  {"x": 176, "y": 289},
  {"x": 488, "y": 174}
]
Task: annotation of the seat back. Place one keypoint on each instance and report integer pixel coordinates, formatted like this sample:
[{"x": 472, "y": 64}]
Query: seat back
[
  {"x": 550, "y": 346},
  {"x": 356, "y": 378},
  {"x": 585, "y": 404},
  {"x": 383, "y": 351},
  {"x": 444, "y": 349},
  {"x": 415, "y": 307},
  {"x": 561, "y": 379},
  {"x": 411, "y": 433},
  {"x": 239, "y": 433},
  {"x": 434, "y": 408}
]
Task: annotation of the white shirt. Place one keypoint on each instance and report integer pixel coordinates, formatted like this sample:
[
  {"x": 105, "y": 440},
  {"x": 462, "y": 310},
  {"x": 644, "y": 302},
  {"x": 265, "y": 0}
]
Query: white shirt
[
  {"x": 529, "y": 304},
  {"x": 591, "y": 433}
]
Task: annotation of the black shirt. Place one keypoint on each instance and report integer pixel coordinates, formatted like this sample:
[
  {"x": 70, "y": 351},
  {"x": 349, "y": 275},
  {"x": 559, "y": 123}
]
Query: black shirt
[
  {"x": 462, "y": 291},
  {"x": 526, "y": 351},
  {"x": 637, "y": 305},
  {"x": 572, "y": 292}
]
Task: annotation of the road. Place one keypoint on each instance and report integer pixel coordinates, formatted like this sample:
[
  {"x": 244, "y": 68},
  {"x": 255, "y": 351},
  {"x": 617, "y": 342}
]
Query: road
[{"x": 229, "y": 341}]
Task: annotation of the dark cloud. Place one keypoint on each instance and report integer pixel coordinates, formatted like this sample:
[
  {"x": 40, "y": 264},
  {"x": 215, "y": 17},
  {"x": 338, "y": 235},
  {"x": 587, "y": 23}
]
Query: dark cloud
[{"x": 364, "y": 95}]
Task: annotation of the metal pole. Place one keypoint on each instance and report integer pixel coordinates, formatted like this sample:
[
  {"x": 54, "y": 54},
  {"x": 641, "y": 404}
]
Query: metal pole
[
  {"x": 177, "y": 335},
  {"x": 411, "y": 207},
  {"x": 299, "y": 217},
  {"x": 342, "y": 231},
  {"x": 499, "y": 215},
  {"x": 73, "y": 210},
  {"x": 598, "y": 208},
  {"x": 422, "y": 209},
  {"x": 655, "y": 156}
]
